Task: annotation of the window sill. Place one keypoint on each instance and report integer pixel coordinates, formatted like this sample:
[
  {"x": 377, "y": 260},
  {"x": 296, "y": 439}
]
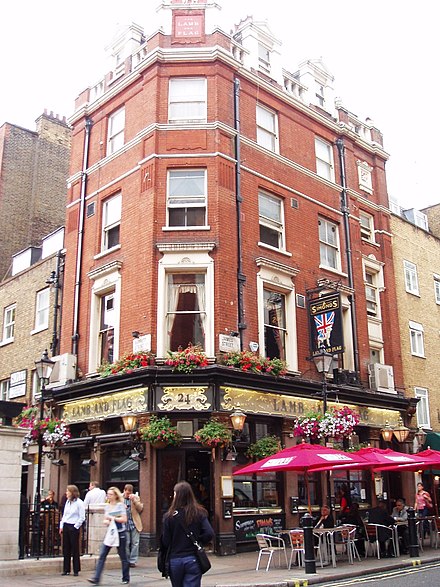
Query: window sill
[
  {"x": 185, "y": 228},
  {"x": 370, "y": 242},
  {"x": 418, "y": 356},
  {"x": 7, "y": 341},
  {"x": 40, "y": 329},
  {"x": 107, "y": 252},
  {"x": 332, "y": 270},
  {"x": 413, "y": 293},
  {"x": 282, "y": 251}
]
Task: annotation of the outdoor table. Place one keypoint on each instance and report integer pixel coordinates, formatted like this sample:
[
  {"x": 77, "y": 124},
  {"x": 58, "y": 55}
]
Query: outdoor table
[{"x": 326, "y": 537}]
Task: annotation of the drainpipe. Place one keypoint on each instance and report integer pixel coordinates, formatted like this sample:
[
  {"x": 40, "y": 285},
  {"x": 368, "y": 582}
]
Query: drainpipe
[
  {"x": 345, "y": 209},
  {"x": 55, "y": 279},
  {"x": 79, "y": 248},
  {"x": 241, "y": 278}
]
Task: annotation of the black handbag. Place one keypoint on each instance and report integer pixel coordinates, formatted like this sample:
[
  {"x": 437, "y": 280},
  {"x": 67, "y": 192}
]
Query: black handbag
[
  {"x": 163, "y": 560},
  {"x": 201, "y": 555}
]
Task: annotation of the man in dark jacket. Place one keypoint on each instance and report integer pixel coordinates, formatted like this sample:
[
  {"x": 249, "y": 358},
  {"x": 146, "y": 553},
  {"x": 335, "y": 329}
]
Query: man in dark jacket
[{"x": 379, "y": 515}]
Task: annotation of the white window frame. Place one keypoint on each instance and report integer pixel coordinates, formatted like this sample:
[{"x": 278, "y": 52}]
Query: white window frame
[
  {"x": 372, "y": 294},
  {"x": 436, "y": 288},
  {"x": 325, "y": 244},
  {"x": 111, "y": 218},
  {"x": 186, "y": 201},
  {"x": 264, "y": 58},
  {"x": 193, "y": 258},
  {"x": 274, "y": 224},
  {"x": 9, "y": 316},
  {"x": 416, "y": 337},
  {"x": 422, "y": 409},
  {"x": 42, "y": 306},
  {"x": 179, "y": 101},
  {"x": 278, "y": 278},
  {"x": 115, "y": 131},
  {"x": 105, "y": 279},
  {"x": 411, "y": 279},
  {"x": 366, "y": 222},
  {"x": 5, "y": 385},
  {"x": 325, "y": 167},
  {"x": 320, "y": 95},
  {"x": 267, "y": 135}
]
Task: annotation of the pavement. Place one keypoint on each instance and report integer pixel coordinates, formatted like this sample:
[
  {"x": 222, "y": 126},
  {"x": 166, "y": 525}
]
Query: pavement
[{"x": 226, "y": 571}]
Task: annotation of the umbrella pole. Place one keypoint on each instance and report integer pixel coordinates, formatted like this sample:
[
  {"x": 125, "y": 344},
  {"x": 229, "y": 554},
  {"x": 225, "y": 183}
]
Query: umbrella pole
[{"x": 306, "y": 479}]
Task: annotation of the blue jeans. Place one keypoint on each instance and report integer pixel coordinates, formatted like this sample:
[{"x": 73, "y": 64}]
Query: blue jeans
[
  {"x": 133, "y": 537},
  {"x": 185, "y": 572},
  {"x": 122, "y": 555}
]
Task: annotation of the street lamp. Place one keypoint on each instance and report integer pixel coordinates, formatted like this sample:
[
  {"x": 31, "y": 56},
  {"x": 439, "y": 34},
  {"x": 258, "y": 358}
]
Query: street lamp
[
  {"x": 238, "y": 419},
  {"x": 44, "y": 369},
  {"x": 323, "y": 362},
  {"x": 387, "y": 432}
]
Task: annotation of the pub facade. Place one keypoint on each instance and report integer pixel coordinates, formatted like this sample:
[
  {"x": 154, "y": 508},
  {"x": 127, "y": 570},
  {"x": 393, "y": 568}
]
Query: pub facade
[{"x": 217, "y": 199}]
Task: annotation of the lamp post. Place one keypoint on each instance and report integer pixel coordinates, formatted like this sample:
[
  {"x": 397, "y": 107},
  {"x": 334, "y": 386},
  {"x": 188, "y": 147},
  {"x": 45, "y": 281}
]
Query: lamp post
[
  {"x": 44, "y": 368},
  {"x": 323, "y": 361}
]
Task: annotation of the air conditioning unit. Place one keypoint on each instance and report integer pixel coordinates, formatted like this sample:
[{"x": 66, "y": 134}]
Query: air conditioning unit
[
  {"x": 63, "y": 371},
  {"x": 381, "y": 377}
]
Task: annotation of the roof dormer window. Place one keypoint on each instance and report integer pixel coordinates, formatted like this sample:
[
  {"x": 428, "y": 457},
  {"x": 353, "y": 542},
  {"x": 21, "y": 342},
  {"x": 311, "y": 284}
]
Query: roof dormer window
[{"x": 264, "y": 58}]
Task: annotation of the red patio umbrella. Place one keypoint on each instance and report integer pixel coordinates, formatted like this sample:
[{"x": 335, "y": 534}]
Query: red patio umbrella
[
  {"x": 303, "y": 458},
  {"x": 382, "y": 459}
]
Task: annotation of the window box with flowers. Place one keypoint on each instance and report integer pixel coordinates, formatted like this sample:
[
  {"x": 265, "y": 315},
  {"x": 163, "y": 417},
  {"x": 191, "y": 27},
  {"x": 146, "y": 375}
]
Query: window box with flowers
[
  {"x": 127, "y": 364},
  {"x": 160, "y": 432},
  {"x": 264, "y": 447},
  {"x": 54, "y": 431},
  {"x": 250, "y": 362},
  {"x": 188, "y": 359},
  {"x": 214, "y": 433}
]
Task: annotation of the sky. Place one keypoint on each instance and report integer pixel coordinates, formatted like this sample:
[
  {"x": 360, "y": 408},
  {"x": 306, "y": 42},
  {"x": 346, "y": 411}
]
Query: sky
[{"x": 382, "y": 53}]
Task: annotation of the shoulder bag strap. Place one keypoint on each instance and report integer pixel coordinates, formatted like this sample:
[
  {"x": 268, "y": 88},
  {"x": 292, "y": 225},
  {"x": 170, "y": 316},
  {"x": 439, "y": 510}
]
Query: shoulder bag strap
[{"x": 190, "y": 535}]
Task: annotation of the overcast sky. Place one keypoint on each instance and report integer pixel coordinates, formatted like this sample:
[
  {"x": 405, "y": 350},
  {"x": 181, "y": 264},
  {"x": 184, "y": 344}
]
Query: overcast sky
[{"x": 382, "y": 53}]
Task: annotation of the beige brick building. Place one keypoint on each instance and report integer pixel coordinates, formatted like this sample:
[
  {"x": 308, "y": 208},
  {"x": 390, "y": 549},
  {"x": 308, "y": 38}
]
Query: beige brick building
[
  {"x": 33, "y": 172},
  {"x": 416, "y": 254}
]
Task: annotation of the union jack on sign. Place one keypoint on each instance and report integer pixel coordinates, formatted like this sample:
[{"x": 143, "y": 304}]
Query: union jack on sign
[{"x": 324, "y": 325}]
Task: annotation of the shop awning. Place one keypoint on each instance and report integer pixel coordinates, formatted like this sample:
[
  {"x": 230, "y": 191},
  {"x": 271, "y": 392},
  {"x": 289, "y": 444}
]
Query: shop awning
[{"x": 432, "y": 440}]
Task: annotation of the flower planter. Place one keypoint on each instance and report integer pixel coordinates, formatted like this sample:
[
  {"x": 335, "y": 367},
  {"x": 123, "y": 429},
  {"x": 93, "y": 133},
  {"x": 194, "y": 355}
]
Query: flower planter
[{"x": 159, "y": 444}]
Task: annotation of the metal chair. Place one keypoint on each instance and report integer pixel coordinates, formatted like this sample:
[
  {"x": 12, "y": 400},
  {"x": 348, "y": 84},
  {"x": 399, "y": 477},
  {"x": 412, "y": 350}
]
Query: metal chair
[
  {"x": 297, "y": 545},
  {"x": 345, "y": 536},
  {"x": 269, "y": 544},
  {"x": 372, "y": 532}
]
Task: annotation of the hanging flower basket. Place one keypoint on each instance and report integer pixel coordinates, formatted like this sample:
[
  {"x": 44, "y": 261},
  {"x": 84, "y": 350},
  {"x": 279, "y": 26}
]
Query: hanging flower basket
[
  {"x": 54, "y": 431},
  {"x": 336, "y": 423},
  {"x": 213, "y": 434},
  {"x": 186, "y": 360},
  {"x": 253, "y": 363},
  {"x": 264, "y": 447},
  {"x": 160, "y": 432},
  {"x": 127, "y": 364}
]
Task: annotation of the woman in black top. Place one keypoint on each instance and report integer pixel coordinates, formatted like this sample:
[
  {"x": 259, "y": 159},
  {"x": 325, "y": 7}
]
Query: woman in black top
[{"x": 185, "y": 515}]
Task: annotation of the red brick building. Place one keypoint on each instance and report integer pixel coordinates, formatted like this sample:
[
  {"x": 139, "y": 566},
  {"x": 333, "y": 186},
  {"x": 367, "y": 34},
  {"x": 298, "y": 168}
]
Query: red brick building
[{"x": 213, "y": 192}]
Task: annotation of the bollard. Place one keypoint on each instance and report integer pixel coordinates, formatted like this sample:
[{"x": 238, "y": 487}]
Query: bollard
[
  {"x": 309, "y": 546},
  {"x": 412, "y": 532}
]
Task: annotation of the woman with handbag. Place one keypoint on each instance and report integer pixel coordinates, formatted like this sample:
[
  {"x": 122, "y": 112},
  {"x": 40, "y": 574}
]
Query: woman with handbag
[
  {"x": 185, "y": 530},
  {"x": 115, "y": 517}
]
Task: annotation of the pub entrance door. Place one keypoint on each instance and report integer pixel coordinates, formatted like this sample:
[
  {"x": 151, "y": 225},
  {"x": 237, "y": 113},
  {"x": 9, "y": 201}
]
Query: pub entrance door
[{"x": 189, "y": 465}]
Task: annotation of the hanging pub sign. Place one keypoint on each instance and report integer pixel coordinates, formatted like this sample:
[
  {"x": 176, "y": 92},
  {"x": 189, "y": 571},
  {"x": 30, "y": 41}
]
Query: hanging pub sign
[{"x": 325, "y": 323}]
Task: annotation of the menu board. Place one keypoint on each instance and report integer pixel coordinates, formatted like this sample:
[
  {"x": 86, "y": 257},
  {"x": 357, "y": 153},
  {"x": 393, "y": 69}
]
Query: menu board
[{"x": 247, "y": 527}]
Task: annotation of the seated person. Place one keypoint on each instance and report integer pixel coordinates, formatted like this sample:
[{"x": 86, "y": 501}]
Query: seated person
[
  {"x": 326, "y": 519},
  {"x": 353, "y": 518},
  {"x": 379, "y": 515},
  {"x": 400, "y": 515}
]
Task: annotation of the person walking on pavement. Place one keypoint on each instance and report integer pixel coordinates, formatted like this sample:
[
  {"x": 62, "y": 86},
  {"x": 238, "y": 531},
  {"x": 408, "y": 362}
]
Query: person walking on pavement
[
  {"x": 114, "y": 512},
  {"x": 134, "y": 523},
  {"x": 185, "y": 515},
  {"x": 94, "y": 495},
  {"x": 422, "y": 503},
  {"x": 70, "y": 524}
]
